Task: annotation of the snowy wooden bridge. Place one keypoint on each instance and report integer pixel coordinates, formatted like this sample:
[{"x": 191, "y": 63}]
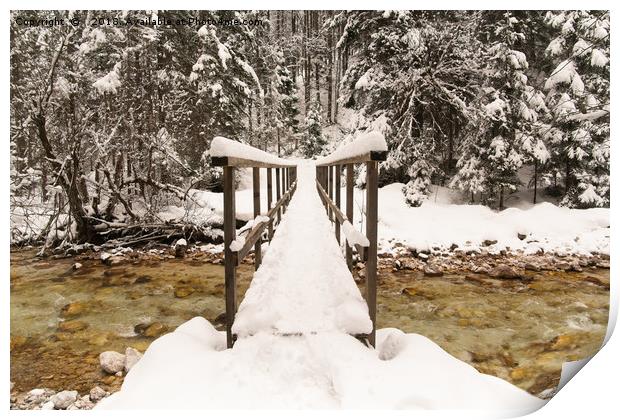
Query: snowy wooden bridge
[{"x": 303, "y": 284}]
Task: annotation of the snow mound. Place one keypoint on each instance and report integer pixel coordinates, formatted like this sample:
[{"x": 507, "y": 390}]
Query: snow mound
[{"x": 187, "y": 369}]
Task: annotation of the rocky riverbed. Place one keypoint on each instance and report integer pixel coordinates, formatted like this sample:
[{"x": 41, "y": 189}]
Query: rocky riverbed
[{"x": 510, "y": 315}]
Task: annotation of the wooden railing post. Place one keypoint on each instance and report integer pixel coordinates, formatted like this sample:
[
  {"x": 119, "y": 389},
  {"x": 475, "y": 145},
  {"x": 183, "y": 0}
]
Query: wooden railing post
[
  {"x": 330, "y": 189},
  {"x": 371, "y": 233},
  {"x": 337, "y": 188},
  {"x": 283, "y": 189},
  {"x": 230, "y": 257},
  {"x": 269, "y": 201},
  {"x": 256, "y": 196},
  {"x": 349, "y": 210},
  {"x": 278, "y": 193}
]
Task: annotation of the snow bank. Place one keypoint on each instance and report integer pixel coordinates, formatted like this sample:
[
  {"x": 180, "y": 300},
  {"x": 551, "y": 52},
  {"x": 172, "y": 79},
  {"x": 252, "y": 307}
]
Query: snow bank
[
  {"x": 546, "y": 227},
  {"x": 221, "y": 146},
  {"x": 188, "y": 369},
  {"x": 365, "y": 143}
]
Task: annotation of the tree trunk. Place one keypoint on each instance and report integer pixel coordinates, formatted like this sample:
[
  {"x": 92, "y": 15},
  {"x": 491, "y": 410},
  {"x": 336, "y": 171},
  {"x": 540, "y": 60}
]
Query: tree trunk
[
  {"x": 535, "y": 179},
  {"x": 330, "y": 69},
  {"x": 85, "y": 232}
]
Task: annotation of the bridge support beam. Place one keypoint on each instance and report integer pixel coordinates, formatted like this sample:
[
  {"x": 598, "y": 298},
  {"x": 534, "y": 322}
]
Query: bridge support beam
[
  {"x": 256, "y": 202},
  {"x": 371, "y": 234},
  {"x": 230, "y": 257},
  {"x": 349, "y": 211},
  {"x": 269, "y": 202},
  {"x": 337, "y": 174}
]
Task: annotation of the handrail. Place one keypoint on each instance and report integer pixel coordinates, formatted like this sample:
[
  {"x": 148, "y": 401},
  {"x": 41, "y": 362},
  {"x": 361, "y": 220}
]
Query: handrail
[
  {"x": 231, "y": 155},
  {"x": 368, "y": 149}
]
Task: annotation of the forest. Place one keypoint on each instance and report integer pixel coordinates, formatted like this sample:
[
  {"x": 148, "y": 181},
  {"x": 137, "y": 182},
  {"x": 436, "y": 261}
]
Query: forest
[{"x": 111, "y": 117}]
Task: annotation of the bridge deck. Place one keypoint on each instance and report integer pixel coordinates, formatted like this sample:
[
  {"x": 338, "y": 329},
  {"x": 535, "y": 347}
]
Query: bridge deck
[{"x": 303, "y": 285}]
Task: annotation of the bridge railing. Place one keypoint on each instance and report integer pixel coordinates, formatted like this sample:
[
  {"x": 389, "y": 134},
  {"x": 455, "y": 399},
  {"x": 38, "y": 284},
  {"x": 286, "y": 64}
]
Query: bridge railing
[
  {"x": 231, "y": 155},
  {"x": 368, "y": 149}
]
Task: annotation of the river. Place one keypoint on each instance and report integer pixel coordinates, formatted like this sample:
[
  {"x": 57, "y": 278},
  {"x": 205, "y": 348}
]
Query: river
[{"x": 62, "y": 318}]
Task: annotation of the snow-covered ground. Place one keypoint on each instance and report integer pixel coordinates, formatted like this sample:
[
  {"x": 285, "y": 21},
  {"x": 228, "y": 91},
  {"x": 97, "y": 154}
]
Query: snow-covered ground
[
  {"x": 189, "y": 368},
  {"x": 544, "y": 227},
  {"x": 303, "y": 284}
]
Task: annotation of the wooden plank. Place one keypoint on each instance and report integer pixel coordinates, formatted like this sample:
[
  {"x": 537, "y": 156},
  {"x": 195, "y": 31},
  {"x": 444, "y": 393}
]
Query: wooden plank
[
  {"x": 230, "y": 263},
  {"x": 372, "y": 156},
  {"x": 372, "y": 201},
  {"x": 243, "y": 163},
  {"x": 256, "y": 202},
  {"x": 269, "y": 200},
  {"x": 349, "y": 210},
  {"x": 337, "y": 174}
]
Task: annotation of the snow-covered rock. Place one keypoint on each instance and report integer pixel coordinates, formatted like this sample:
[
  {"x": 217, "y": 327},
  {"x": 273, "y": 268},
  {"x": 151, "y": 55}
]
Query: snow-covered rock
[
  {"x": 180, "y": 248},
  {"x": 64, "y": 399},
  {"x": 112, "y": 361},
  {"x": 132, "y": 356}
]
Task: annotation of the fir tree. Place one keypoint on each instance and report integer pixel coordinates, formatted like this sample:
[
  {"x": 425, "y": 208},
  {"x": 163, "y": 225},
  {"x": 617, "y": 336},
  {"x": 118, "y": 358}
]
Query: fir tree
[{"x": 313, "y": 143}]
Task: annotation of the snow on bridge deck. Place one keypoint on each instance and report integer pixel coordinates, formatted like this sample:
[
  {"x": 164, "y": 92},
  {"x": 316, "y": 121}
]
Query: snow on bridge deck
[{"x": 303, "y": 285}]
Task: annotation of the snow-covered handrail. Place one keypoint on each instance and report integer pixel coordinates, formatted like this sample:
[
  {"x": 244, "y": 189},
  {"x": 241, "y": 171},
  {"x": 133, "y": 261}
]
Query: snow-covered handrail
[
  {"x": 367, "y": 147},
  {"x": 226, "y": 152}
]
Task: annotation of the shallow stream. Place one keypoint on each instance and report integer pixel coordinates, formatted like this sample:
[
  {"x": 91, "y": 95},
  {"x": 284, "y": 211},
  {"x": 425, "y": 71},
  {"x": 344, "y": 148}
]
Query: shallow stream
[{"x": 61, "y": 318}]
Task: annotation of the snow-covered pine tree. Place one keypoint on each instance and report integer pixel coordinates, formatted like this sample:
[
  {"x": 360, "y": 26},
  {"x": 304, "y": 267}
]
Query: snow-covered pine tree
[
  {"x": 578, "y": 97},
  {"x": 507, "y": 110},
  {"x": 411, "y": 78},
  {"x": 313, "y": 142}
]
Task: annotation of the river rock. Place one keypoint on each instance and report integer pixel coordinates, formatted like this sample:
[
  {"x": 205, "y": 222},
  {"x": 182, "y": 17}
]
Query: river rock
[
  {"x": 97, "y": 393},
  {"x": 183, "y": 291},
  {"x": 77, "y": 266},
  {"x": 72, "y": 309},
  {"x": 564, "y": 342},
  {"x": 423, "y": 256},
  {"x": 112, "y": 361},
  {"x": 180, "y": 248},
  {"x": 489, "y": 242},
  {"x": 132, "y": 356},
  {"x": 431, "y": 270},
  {"x": 17, "y": 341},
  {"x": 105, "y": 257},
  {"x": 49, "y": 405},
  {"x": 504, "y": 272},
  {"x": 72, "y": 326},
  {"x": 532, "y": 266},
  {"x": 64, "y": 399},
  {"x": 154, "y": 330}
]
